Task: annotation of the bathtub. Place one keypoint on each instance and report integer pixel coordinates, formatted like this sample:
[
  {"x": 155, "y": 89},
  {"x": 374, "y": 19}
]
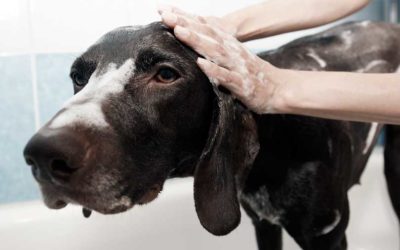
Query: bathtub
[{"x": 170, "y": 222}]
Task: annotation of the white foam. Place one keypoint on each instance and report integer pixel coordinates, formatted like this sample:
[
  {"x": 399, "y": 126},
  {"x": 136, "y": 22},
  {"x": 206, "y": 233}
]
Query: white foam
[
  {"x": 85, "y": 107},
  {"x": 135, "y": 27},
  {"x": 330, "y": 146},
  {"x": 260, "y": 76},
  {"x": 229, "y": 53},
  {"x": 365, "y": 23},
  {"x": 371, "y": 65},
  {"x": 260, "y": 202},
  {"x": 371, "y": 134},
  {"x": 347, "y": 37},
  {"x": 398, "y": 69},
  {"x": 214, "y": 81},
  {"x": 327, "y": 229},
  {"x": 317, "y": 58}
]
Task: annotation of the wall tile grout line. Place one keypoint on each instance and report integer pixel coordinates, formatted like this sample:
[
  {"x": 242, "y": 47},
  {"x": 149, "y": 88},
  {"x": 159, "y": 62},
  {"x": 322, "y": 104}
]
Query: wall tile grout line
[
  {"x": 35, "y": 91},
  {"x": 33, "y": 66}
]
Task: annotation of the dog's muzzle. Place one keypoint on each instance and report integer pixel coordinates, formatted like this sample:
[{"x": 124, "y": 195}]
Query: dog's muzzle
[{"x": 55, "y": 155}]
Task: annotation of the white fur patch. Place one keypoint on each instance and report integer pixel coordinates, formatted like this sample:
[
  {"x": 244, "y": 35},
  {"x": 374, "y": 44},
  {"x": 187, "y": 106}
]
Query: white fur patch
[
  {"x": 317, "y": 58},
  {"x": 85, "y": 107},
  {"x": 327, "y": 229},
  {"x": 371, "y": 134},
  {"x": 125, "y": 201}
]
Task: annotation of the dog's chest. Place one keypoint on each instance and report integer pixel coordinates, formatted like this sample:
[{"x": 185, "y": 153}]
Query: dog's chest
[{"x": 262, "y": 206}]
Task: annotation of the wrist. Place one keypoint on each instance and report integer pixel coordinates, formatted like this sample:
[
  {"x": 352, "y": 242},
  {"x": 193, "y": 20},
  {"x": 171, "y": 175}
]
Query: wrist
[
  {"x": 240, "y": 25},
  {"x": 232, "y": 22},
  {"x": 281, "y": 85},
  {"x": 251, "y": 23}
]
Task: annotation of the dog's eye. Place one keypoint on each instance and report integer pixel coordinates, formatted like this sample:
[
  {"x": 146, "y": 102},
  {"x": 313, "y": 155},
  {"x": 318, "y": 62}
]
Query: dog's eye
[
  {"x": 166, "y": 75},
  {"x": 78, "y": 79}
]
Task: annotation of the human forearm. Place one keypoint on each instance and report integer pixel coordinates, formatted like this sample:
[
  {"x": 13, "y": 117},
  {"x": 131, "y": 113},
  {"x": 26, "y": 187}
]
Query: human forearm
[
  {"x": 265, "y": 89},
  {"x": 279, "y": 16},
  {"x": 339, "y": 95}
]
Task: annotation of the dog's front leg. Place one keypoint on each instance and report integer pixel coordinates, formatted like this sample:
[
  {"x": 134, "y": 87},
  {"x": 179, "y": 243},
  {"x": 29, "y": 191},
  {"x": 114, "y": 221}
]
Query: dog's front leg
[
  {"x": 269, "y": 236},
  {"x": 392, "y": 165}
]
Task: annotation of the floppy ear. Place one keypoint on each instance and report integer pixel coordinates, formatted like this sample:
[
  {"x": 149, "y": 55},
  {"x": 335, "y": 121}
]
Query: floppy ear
[{"x": 230, "y": 149}]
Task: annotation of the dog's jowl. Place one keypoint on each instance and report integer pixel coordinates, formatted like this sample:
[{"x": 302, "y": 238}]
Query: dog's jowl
[{"x": 144, "y": 112}]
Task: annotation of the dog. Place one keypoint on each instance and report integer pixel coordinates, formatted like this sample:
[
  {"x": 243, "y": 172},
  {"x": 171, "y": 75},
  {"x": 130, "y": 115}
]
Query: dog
[{"x": 144, "y": 112}]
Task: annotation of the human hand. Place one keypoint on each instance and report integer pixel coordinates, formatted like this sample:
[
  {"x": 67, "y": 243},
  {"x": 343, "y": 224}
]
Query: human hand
[
  {"x": 216, "y": 22},
  {"x": 227, "y": 62}
]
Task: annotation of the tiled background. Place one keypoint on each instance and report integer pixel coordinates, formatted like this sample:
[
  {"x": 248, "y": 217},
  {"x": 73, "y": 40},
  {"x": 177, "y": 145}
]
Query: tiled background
[{"x": 39, "y": 41}]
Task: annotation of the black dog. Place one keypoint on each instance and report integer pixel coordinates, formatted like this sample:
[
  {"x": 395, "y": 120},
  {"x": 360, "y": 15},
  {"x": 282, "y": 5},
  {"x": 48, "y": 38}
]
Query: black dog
[{"x": 144, "y": 112}]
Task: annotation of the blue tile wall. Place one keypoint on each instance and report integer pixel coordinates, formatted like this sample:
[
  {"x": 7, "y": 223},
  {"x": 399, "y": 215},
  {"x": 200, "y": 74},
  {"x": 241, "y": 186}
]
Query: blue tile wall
[
  {"x": 16, "y": 127},
  {"x": 17, "y": 115},
  {"x": 374, "y": 11},
  {"x": 54, "y": 84}
]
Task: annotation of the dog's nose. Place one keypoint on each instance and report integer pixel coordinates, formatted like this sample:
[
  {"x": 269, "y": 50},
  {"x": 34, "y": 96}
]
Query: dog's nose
[{"x": 53, "y": 155}]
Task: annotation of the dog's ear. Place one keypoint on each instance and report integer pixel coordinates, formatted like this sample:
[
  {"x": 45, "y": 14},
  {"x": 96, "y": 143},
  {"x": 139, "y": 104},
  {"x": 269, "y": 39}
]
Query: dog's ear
[{"x": 230, "y": 149}]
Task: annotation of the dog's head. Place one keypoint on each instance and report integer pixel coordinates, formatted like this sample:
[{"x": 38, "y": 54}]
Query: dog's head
[{"x": 142, "y": 112}]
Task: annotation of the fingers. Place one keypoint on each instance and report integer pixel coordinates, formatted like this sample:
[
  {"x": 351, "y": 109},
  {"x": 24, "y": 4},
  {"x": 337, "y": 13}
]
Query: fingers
[
  {"x": 169, "y": 15},
  {"x": 197, "y": 33},
  {"x": 202, "y": 44},
  {"x": 250, "y": 90},
  {"x": 168, "y": 8},
  {"x": 172, "y": 20},
  {"x": 221, "y": 76}
]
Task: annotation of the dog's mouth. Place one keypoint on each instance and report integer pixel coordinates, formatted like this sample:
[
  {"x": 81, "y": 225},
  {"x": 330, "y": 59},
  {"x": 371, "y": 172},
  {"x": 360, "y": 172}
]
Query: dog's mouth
[
  {"x": 90, "y": 204},
  {"x": 59, "y": 204},
  {"x": 150, "y": 195}
]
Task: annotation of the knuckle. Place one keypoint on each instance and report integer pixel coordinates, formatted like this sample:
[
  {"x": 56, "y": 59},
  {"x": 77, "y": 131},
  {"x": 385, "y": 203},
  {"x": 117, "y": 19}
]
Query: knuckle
[
  {"x": 220, "y": 49},
  {"x": 252, "y": 67},
  {"x": 213, "y": 69},
  {"x": 181, "y": 21},
  {"x": 220, "y": 73},
  {"x": 244, "y": 53},
  {"x": 201, "y": 19},
  {"x": 232, "y": 78},
  {"x": 192, "y": 36},
  {"x": 213, "y": 33}
]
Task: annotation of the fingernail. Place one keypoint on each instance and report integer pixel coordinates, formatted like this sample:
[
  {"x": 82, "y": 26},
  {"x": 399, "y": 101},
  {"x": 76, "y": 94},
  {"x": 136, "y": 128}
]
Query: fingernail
[
  {"x": 169, "y": 18},
  {"x": 163, "y": 8},
  {"x": 181, "y": 32}
]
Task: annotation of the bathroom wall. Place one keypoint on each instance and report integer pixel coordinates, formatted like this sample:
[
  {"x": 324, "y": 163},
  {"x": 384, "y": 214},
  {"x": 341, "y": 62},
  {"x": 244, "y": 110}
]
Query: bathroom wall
[{"x": 40, "y": 40}]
